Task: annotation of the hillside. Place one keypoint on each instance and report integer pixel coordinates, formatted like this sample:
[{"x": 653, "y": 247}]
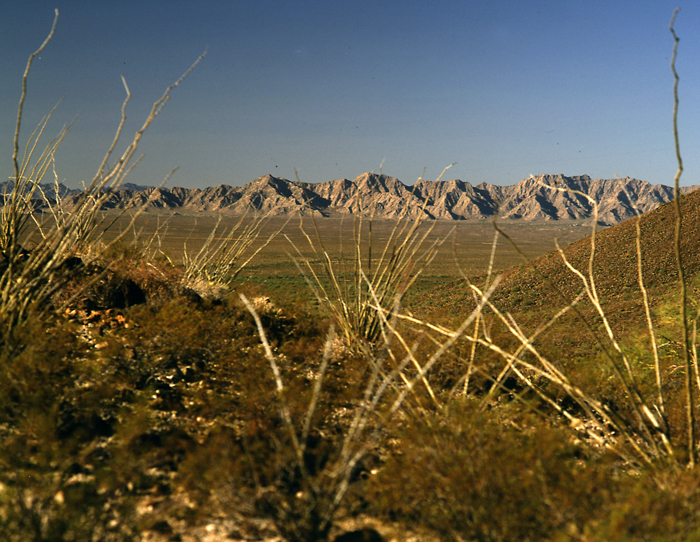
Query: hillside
[
  {"x": 529, "y": 199},
  {"x": 615, "y": 266}
]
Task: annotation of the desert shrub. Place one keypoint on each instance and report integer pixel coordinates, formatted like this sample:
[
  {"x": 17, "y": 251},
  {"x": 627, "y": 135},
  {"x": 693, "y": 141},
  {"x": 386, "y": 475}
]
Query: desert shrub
[
  {"x": 95, "y": 427},
  {"x": 644, "y": 507},
  {"x": 30, "y": 278},
  {"x": 502, "y": 475},
  {"x": 249, "y": 462},
  {"x": 55, "y": 420},
  {"x": 357, "y": 288},
  {"x": 223, "y": 256},
  {"x": 482, "y": 476}
]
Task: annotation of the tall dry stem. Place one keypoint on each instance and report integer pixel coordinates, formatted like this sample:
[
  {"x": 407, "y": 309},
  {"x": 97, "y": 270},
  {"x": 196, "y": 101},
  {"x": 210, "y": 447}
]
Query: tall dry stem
[
  {"x": 690, "y": 406},
  {"x": 29, "y": 279}
]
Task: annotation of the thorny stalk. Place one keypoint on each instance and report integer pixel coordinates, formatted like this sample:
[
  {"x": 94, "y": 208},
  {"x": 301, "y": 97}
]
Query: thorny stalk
[
  {"x": 478, "y": 321},
  {"x": 661, "y": 408},
  {"x": 25, "y": 76},
  {"x": 690, "y": 407},
  {"x": 29, "y": 280},
  {"x": 650, "y": 425},
  {"x": 284, "y": 407}
]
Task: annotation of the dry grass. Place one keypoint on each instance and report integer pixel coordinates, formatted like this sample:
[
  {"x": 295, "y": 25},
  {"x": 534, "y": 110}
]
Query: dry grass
[
  {"x": 218, "y": 261},
  {"x": 30, "y": 278}
]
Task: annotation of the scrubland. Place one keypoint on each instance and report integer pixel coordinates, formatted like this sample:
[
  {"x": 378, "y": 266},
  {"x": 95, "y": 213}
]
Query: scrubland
[{"x": 262, "y": 380}]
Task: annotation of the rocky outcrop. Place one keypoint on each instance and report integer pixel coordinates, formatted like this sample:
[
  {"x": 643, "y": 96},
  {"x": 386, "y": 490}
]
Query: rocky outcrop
[{"x": 545, "y": 197}]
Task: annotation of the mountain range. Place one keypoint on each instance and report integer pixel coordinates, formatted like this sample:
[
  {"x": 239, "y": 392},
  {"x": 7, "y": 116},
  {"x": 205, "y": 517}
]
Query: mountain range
[{"x": 545, "y": 197}]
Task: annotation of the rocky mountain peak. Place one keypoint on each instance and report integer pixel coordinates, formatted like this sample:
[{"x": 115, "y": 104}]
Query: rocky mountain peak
[{"x": 542, "y": 197}]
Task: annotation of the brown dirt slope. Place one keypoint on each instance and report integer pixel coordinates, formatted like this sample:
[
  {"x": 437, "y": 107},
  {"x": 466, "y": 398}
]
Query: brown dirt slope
[{"x": 615, "y": 264}]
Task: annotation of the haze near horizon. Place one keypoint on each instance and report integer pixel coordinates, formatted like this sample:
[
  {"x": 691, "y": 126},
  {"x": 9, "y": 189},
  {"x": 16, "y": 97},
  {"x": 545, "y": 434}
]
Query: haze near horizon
[{"x": 336, "y": 89}]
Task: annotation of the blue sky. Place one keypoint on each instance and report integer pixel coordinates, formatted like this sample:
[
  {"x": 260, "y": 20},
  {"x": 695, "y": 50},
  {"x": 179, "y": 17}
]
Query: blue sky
[{"x": 333, "y": 88}]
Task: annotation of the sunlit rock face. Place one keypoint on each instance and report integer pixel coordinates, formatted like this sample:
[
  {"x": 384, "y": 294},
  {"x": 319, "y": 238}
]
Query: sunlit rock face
[{"x": 544, "y": 197}]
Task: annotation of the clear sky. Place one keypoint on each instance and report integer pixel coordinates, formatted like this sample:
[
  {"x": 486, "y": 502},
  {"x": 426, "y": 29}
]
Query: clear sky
[{"x": 332, "y": 88}]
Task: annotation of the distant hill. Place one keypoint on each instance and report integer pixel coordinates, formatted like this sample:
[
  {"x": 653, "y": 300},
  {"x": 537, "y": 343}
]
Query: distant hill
[
  {"x": 388, "y": 197},
  {"x": 49, "y": 189}
]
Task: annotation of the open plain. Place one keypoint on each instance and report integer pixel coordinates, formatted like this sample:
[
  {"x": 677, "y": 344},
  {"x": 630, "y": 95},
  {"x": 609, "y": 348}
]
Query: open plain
[{"x": 464, "y": 244}]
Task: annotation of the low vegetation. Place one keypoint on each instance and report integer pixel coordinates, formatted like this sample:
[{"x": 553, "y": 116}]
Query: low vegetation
[{"x": 149, "y": 397}]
